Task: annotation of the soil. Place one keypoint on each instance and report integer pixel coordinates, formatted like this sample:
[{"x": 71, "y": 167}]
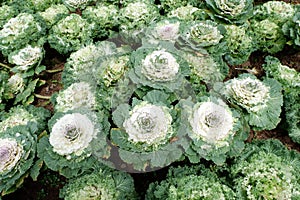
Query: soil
[{"x": 49, "y": 182}]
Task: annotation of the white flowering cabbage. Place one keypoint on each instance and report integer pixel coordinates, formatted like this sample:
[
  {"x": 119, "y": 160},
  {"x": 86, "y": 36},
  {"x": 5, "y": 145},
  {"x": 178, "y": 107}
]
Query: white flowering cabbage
[
  {"x": 164, "y": 30},
  {"x": 17, "y": 154},
  {"x": 145, "y": 130},
  {"x": 75, "y": 4},
  {"x": 215, "y": 131},
  {"x": 15, "y": 85},
  {"x": 53, "y": 14},
  {"x": 77, "y": 95},
  {"x": 148, "y": 124},
  {"x": 262, "y": 100},
  {"x": 231, "y": 11},
  {"x": 160, "y": 68},
  {"x": 26, "y": 58},
  {"x": 184, "y": 12},
  {"x": 18, "y": 32},
  {"x": 73, "y": 135}
]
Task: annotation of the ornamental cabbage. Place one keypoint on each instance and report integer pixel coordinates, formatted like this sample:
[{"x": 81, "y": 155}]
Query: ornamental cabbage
[
  {"x": 18, "y": 32},
  {"x": 53, "y": 14},
  {"x": 145, "y": 130},
  {"x": 6, "y": 12},
  {"x": 239, "y": 43},
  {"x": 104, "y": 17},
  {"x": 14, "y": 85},
  {"x": 278, "y": 12},
  {"x": 100, "y": 184},
  {"x": 215, "y": 131},
  {"x": 160, "y": 68},
  {"x": 70, "y": 34},
  {"x": 197, "y": 35},
  {"x": 77, "y": 95},
  {"x": 185, "y": 13},
  {"x": 77, "y": 4},
  {"x": 262, "y": 100},
  {"x": 32, "y": 6},
  {"x": 193, "y": 182},
  {"x": 231, "y": 11},
  {"x": 26, "y": 58},
  {"x": 268, "y": 36},
  {"x": 73, "y": 135},
  {"x": 292, "y": 30},
  {"x": 17, "y": 153},
  {"x": 266, "y": 170}
]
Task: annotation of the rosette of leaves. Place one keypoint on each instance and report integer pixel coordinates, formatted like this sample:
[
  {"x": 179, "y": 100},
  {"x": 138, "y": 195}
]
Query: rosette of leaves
[
  {"x": 260, "y": 101},
  {"x": 278, "y": 12},
  {"x": 147, "y": 134},
  {"x": 239, "y": 43},
  {"x": 190, "y": 182},
  {"x": 136, "y": 16},
  {"x": 199, "y": 35},
  {"x": 268, "y": 36},
  {"x": 100, "y": 184},
  {"x": 266, "y": 170},
  {"x": 18, "y": 32},
  {"x": 164, "y": 30},
  {"x": 104, "y": 17},
  {"x": 17, "y": 154},
  {"x": 23, "y": 115},
  {"x": 159, "y": 67},
  {"x": 292, "y": 30},
  {"x": 83, "y": 63},
  {"x": 69, "y": 146},
  {"x": 53, "y": 14},
  {"x": 231, "y": 11},
  {"x": 77, "y": 95},
  {"x": 70, "y": 34},
  {"x": 215, "y": 131},
  {"x": 205, "y": 68},
  {"x": 169, "y": 5},
  {"x": 27, "y": 60}
]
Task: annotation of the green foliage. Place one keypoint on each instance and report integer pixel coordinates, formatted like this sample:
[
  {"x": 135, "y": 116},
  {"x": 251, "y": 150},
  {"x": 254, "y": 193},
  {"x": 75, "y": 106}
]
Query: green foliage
[
  {"x": 194, "y": 182},
  {"x": 266, "y": 170},
  {"x": 70, "y": 34},
  {"x": 53, "y": 14},
  {"x": 100, "y": 184},
  {"x": 292, "y": 30}
]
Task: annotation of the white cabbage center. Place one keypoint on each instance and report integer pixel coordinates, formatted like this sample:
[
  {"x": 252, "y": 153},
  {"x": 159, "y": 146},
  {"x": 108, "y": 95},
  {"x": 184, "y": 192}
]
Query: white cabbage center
[
  {"x": 250, "y": 93},
  {"x": 148, "y": 123},
  {"x": 231, "y": 7},
  {"x": 160, "y": 66},
  {"x": 10, "y": 154},
  {"x": 205, "y": 33},
  {"x": 168, "y": 31},
  {"x": 211, "y": 122},
  {"x": 72, "y": 134}
]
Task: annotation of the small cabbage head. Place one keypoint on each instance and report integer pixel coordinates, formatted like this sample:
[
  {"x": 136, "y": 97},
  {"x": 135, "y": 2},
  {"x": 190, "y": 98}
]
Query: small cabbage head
[
  {"x": 70, "y": 34},
  {"x": 15, "y": 85},
  {"x": 266, "y": 170},
  {"x": 77, "y": 95},
  {"x": 17, "y": 154},
  {"x": 278, "y": 12},
  {"x": 268, "y": 36},
  {"x": 240, "y": 44},
  {"x": 262, "y": 100},
  {"x": 77, "y": 4},
  {"x": 6, "y": 12},
  {"x": 53, "y": 14},
  {"x": 292, "y": 29},
  {"x": 18, "y": 32},
  {"x": 231, "y": 11},
  {"x": 26, "y": 58},
  {"x": 215, "y": 131},
  {"x": 73, "y": 135}
]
